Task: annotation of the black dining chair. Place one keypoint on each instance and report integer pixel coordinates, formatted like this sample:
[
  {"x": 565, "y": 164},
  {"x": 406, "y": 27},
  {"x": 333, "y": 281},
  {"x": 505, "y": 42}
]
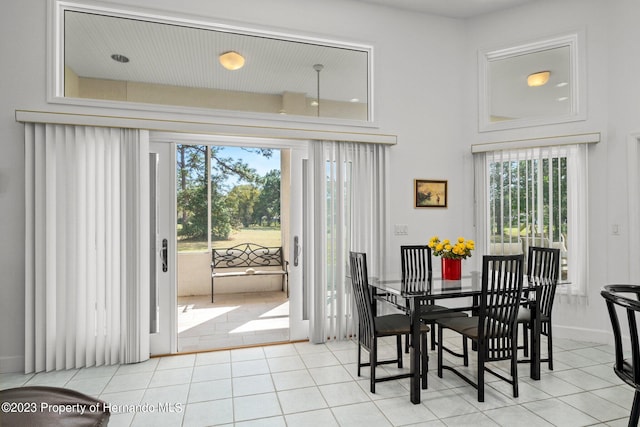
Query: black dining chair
[
  {"x": 543, "y": 267},
  {"x": 494, "y": 330},
  {"x": 628, "y": 370},
  {"x": 417, "y": 272},
  {"x": 372, "y": 327}
]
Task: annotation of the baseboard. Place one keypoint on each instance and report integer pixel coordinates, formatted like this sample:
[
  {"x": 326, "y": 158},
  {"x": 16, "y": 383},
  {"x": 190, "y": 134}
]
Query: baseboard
[
  {"x": 583, "y": 334},
  {"x": 11, "y": 364}
]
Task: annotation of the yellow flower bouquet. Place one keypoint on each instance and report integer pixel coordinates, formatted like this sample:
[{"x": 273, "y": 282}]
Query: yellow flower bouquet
[{"x": 461, "y": 249}]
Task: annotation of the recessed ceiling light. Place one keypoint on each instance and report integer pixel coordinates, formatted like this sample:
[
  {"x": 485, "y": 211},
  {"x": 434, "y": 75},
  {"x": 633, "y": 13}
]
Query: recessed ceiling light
[
  {"x": 354, "y": 100},
  {"x": 563, "y": 98},
  {"x": 119, "y": 58},
  {"x": 232, "y": 60},
  {"x": 314, "y": 103},
  {"x": 562, "y": 84}
]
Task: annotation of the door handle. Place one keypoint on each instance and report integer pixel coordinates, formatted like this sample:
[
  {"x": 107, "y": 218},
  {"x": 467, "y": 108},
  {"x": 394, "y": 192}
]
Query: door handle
[
  {"x": 296, "y": 250},
  {"x": 164, "y": 255}
]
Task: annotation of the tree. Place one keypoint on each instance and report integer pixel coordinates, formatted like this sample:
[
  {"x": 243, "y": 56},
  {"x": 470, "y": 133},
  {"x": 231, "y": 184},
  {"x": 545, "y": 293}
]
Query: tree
[
  {"x": 515, "y": 194},
  {"x": 268, "y": 203},
  {"x": 192, "y": 164},
  {"x": 241, "y": 201}
]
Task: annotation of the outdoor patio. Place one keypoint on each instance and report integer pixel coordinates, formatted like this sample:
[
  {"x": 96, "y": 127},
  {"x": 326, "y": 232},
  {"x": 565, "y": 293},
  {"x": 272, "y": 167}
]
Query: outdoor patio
[{"x": 233, "y": 320}]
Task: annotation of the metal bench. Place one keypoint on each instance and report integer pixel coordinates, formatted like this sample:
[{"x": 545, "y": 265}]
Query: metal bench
[{"x": 249, "y": 259}]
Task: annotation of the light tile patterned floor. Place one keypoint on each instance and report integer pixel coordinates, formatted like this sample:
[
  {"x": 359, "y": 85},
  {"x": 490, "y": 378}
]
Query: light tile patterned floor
[
  {"x": 304, "y": 384},
  {"x": 233, "y": 320}
]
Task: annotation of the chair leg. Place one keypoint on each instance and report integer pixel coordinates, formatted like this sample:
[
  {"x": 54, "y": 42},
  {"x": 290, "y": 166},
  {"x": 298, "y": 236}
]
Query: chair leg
[
  {"x": 481, "y": 372},
  {"x": 635, "y": 410},
  {"x": 359, "y": 357},
  {"x": 399, "y": 349},
  {"x": 514, "y": 368},
  {"x": 406, "y": 343},
  {"x": 550, "y": 348},
  {"x": 425, "y": 361},
  {"x": 440, "y": 351},
  {"x": 433, "y": 337},
  {"x": 465, "y": 351},
  {"x": 373, "y": 359},
  {"x": 525, "y": 337}
]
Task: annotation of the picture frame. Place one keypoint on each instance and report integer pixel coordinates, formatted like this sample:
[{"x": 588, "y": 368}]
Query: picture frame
[{"x": 430, "y": 193}]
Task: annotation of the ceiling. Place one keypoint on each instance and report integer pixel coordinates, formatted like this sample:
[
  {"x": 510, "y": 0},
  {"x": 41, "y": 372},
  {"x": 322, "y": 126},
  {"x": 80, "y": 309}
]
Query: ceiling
[
  {"x": 450, "y": 8},
  {"x": 183, "y": 56}
]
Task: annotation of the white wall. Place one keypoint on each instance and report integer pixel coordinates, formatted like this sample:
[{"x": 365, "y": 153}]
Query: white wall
[
  {"x": 613, "y": 109},
  {"x": 425, "y": 91},
  {"x": 418, "y": 74}
]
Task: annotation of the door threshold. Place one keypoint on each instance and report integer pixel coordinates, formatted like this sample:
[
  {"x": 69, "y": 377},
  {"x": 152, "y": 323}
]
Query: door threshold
[{"x": 181, "y": 353}]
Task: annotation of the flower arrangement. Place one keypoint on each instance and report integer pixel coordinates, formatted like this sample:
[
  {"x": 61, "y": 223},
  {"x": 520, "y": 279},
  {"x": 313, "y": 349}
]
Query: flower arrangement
[{"x": 458, "y": 250}]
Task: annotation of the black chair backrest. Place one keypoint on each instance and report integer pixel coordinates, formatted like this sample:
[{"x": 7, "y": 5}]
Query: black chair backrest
[
  {"x": 502, "y": 277},
  {"x": 543, "y": 266},
  {"x": 543, "y": 262},
  {"x": 417, "y": 268},
  {"x": 627, "y": 297},
  {"x": 362, "y": 295}
]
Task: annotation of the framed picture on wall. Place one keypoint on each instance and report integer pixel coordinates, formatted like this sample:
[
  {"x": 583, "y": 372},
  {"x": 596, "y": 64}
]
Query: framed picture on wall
[{"x": 428, "y": 193}]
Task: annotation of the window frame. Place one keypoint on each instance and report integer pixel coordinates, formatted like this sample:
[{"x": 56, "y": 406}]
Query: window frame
[
  {"x": 56, "y": 64},
  {"x": 577, "y": 284}
]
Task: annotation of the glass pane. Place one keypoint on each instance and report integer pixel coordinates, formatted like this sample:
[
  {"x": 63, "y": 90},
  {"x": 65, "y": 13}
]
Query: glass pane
[
  {"x": 138, "y": 61},
  {"x": 515, "y": 96},
  {"x": 245, "y": 197},
  {"x": 528, "y": 203}
]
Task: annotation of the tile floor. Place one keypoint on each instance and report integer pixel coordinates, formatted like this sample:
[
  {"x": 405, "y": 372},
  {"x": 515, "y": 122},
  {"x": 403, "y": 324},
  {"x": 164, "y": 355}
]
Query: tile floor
[
  {"x": 303, "y": 384},
  {"x": 233, "y": 320}
]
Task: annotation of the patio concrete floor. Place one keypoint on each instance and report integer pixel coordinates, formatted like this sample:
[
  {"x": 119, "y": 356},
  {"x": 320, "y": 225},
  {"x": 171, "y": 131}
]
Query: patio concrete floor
[{"x": 233, "y": 320}]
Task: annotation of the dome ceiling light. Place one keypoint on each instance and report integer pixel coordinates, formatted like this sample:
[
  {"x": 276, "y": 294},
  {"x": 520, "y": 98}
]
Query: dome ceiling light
[
  {"x": 538, "y": 79},
  {"x": 232, "y": 60}
]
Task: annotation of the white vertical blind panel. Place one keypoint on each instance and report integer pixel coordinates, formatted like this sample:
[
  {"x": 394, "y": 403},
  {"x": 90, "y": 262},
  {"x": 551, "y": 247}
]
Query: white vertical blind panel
[
  {"x": 317, "y": 318},
  {"x": 30, "y": 267},
  {"x": 348, "y": 200},
  {"x": 76, "y": 273}
]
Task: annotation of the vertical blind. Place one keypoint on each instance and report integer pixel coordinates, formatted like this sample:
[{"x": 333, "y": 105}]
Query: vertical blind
[
  {"x": 87, "y": 255},
  {"x": 348, "y": 187},
  {"x": 536, "y": 197}
]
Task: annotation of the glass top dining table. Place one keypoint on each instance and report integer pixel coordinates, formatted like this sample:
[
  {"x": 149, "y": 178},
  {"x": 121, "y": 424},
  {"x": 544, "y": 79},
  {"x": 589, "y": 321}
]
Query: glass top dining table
[{"x": 409, "y": 296}]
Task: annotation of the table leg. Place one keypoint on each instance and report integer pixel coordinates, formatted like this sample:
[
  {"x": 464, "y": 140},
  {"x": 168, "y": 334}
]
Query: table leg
[
  {"x": 535, "y": 340},
  {"x": 414, "y": 351}
]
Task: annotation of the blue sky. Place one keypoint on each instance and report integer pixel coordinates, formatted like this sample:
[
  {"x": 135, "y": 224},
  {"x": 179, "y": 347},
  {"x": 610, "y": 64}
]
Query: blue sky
[{"x": 261, "y": 164}]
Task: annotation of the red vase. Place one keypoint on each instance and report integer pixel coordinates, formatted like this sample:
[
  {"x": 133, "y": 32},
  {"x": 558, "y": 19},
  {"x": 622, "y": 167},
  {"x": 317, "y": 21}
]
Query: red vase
[{"x": 451, "y": 269}]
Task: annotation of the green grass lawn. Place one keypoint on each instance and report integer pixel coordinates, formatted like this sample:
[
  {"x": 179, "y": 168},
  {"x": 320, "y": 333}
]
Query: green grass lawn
[{"x": 265, "y": 236}]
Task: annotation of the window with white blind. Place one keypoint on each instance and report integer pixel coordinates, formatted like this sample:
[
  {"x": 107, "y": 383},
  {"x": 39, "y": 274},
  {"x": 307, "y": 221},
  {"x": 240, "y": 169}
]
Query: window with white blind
[{"x": 537, "y": 197}]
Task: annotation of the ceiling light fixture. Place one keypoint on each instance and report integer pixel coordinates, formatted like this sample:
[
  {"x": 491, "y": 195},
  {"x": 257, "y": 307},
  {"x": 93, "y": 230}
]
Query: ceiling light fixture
[
  {"x": 232, "y": 60},
  {"x": 562, "y": 84},
  {"x": 538, "y": 79},
  {"x": 119, "y": 58}
]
